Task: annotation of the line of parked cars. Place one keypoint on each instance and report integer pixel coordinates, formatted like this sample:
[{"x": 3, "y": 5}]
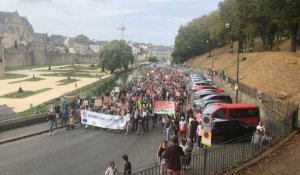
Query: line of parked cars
[{"x": 231, "y": 121}]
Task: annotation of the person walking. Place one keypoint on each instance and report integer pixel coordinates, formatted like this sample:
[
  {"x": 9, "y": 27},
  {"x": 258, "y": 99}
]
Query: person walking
[
  {"x": 173, "y": 155},
  {"x": 182, "y": 127},
  {"x": 199, "y": 135},
  {"x": 51, "y": 118},
  {"x": 127, "y": 165}
]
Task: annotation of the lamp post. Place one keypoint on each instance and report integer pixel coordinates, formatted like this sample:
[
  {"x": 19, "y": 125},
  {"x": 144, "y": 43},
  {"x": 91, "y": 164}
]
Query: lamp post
[
  {"x": 209, "y": 47},
  {"x": 228, "y": 26},
  {"x": 236, "y": 87},
  {"x": 237, "y": 67},
  {"x": 212, "y": 68}
]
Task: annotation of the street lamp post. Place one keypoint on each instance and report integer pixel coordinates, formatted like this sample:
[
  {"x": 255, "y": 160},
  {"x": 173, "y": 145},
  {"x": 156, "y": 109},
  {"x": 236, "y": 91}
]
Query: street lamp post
[
  {"x": 236, "y": 87},
  {"x": 209, "y": 47},
  {"x": 212, "y": 68},
  {"x": 228, "y": 26},
  {"x": 237, "y": 67}
]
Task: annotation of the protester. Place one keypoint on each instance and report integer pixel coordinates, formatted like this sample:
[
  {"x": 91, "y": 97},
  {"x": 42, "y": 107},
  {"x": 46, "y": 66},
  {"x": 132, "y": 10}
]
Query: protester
[
  {"x": 161, "y": 149},
  {"x": 57, "y": 115},
  {"x": 265, "y": 139},
  {"x": 190, "y": 144},
  {"x": 127, "y": 165},
  {"x": 182, "y": 128},
  {"x": 193, "y": 124},
  {"x": 199, "y": 136},
  {"x": 51, "y": 118},
  {"x": 173, "y": 155},
  {"x": 260, "y": 127},
  {"x": 256, "y": 139},
  {"x": 184, "y": 147},
  {"x": 127, "y": 118}
]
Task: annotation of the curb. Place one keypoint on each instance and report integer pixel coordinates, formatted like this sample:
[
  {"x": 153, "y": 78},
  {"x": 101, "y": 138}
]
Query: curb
[
  {"x": 263, "y": 155},
  {"x": 31, "y": 135},
  {"x": 22, "y": 137}
]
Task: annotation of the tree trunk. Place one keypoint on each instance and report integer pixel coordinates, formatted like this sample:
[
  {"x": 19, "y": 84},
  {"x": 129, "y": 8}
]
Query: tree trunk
[
  {"x": 263, "y": 39},
  {"x": 293, "y": 36}
]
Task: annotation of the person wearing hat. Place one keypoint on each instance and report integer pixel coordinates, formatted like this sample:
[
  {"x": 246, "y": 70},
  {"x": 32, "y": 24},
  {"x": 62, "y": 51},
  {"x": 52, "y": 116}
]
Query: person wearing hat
[{"x": 173, "y": 154}]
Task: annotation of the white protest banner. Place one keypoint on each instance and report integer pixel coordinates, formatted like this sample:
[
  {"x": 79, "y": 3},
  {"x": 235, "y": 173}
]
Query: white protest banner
[{"x": 103, "y": 120}]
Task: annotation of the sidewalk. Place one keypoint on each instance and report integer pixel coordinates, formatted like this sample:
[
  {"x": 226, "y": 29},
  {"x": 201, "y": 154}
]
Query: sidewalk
[{"x": 23, "y": 132}]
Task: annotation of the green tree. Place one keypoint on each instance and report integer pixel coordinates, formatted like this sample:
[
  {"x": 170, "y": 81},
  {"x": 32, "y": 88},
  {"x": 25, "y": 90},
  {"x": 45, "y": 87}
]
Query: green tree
[
  {"x": 114, "y": 55},
  {"x": 152, "y": 59},
  {"x": 82, "y": 39}
]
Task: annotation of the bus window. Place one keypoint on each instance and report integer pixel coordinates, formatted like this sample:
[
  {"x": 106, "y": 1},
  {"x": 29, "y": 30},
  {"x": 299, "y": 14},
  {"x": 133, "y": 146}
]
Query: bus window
[{"x": 221, "y": 113}]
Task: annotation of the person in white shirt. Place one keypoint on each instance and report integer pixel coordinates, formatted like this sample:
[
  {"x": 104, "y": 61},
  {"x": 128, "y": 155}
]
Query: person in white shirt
[
  {"x": 199, "y": 134},
  {"x": 184, "y": 147},
  {"x": 127, "y": 117},
  {"x": 111, "y": 170},
  {"x": 260, "y": 127}
]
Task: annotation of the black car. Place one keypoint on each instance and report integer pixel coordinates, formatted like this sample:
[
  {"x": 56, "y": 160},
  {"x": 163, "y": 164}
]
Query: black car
[{"x": 228, "y": 131}]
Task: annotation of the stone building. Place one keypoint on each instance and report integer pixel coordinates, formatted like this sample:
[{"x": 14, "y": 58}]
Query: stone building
[
  {"x": 15, "y": 29},
  {"x": 2, "y": 59}
]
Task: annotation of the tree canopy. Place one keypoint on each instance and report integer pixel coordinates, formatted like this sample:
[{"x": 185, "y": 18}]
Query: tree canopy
[
  {"x": 116, "y": 54},
  {"x": 268, "y": 20},
  {"x": 152, "y": 59}
]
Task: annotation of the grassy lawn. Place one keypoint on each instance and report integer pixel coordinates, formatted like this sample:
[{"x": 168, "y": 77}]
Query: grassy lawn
[
  {"x": 13, "y": 76},
  {"x": 80, "y": 67},
  {"x": 73, "y": 74},
  {"x": 22, "y": 68},
  {"x": 34, "y": 110},
  {"x": 28, "y": 79},
  {"x": 25, "y": 93},
  {"x": 66, "y": 81}
]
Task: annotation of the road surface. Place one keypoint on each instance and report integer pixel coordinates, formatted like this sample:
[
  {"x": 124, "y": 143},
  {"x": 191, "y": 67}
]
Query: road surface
[{"x": 77, "y": 151}]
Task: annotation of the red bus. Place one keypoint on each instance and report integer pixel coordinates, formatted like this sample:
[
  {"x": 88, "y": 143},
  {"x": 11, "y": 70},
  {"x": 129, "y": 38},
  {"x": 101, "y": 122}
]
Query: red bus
[{"x": 245, "y": 112}]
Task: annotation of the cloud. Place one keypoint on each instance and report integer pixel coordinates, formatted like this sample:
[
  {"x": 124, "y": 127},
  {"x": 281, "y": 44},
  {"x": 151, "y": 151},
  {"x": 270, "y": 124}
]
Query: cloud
[
  {"x": 34, "y": 1},
  {"x": 117, "y": 12}
]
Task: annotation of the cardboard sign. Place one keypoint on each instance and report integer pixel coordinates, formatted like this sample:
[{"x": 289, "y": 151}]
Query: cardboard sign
[
  {"x": 117, "y": 89},
  {"x": 98, "y": 102},
  {"x": 164, "y": 107},
  {"x": 124, "y": 107},
  {"x": 106, "y": 100},
  {"x": 82, "y": 96}
]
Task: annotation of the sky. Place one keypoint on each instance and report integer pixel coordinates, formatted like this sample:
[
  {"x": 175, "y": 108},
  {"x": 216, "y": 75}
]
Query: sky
[{"x": 149, "y": 21}]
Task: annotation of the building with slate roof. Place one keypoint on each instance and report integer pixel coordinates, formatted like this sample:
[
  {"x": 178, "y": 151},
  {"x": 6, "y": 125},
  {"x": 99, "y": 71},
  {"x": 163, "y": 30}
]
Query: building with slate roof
[{"x": 15, "y": 28}]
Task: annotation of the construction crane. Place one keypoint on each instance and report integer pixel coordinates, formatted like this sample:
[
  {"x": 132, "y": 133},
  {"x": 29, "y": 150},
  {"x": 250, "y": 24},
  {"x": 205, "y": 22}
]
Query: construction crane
[{"x": 122, "y": 29}]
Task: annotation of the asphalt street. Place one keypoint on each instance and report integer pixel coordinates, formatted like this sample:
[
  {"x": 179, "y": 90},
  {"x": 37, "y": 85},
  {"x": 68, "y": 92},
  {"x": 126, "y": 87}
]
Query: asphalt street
[{"x": 79, "y": 151}]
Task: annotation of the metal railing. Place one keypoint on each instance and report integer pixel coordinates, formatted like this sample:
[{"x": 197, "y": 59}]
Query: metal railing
[
  {"x": 8, "y": 116},
  {"x": 221, "y": 158}
]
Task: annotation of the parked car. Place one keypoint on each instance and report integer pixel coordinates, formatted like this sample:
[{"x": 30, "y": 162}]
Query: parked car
[
  {"x": 245, "y": 112},
  {"x": 206, "y": 104},
  {"x": 216, "y": 89},
  {"x": 203, "y": 94},
  {"x": 230, "y": 130},
  {"x": 220, "y": 96}
]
